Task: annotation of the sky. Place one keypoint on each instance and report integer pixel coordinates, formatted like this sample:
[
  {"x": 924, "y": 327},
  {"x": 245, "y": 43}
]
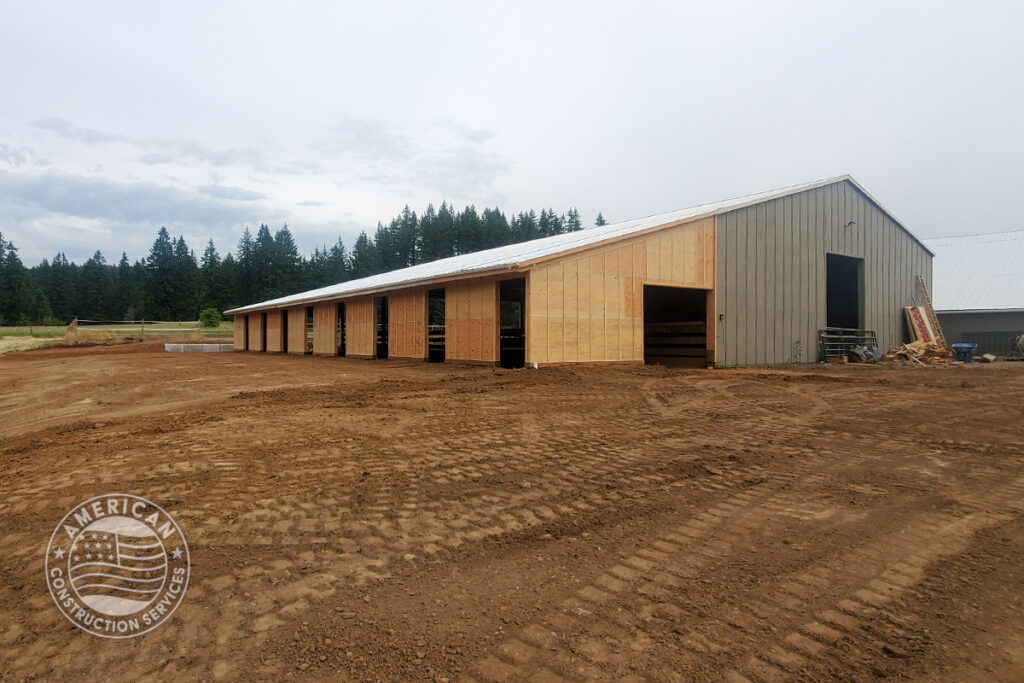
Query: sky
[{"x": 119, "y": 118}]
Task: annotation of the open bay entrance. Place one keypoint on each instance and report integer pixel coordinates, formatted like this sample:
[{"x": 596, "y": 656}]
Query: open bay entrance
[
  {"x": 435, "y": 326},
  {"x": 380, "y": 307},
  {"x": 512, "y": 323},
  {"x": 675, "y": 326}
]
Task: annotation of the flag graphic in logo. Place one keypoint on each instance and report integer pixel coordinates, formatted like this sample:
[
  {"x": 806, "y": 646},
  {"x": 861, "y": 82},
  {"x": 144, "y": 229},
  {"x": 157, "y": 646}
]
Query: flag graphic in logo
[{"x": 117, "y": 565}]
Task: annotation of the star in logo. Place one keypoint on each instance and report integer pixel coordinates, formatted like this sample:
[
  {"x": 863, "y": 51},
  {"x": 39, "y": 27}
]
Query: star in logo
[
  {"x": 177, "y": 553},
  {"x": 59, "y": 553}
]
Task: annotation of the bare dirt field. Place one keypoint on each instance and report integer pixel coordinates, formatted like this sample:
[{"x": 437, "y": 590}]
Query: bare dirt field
[{"x": 394, "y": 520}]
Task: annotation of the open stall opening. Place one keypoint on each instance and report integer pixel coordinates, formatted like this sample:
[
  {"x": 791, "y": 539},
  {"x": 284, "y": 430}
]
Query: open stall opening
[
  {"x": 309, "y": 329},
  {"x": 844, "y": 291},
  {"x": 263, "y": 330},
  {"x": 675, "y": 326},
  {"x": 380, "y": 306},
  {"x": 340, "y": 332},
  {"x": 435, "y": 326},
  {"x": 284, "y": 330},
  {"x": 245, "y": 331},
  {"x": 512, "y": 323}
]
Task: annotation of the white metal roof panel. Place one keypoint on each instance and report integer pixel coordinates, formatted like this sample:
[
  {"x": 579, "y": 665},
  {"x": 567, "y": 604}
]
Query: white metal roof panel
[
  {"x": 524, "y": 253},
  {"x": 978, "y": 272}
]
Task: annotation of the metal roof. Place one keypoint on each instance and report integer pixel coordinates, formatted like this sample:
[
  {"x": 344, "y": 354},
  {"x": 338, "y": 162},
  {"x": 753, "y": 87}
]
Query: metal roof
[
  {"x": 978, "y": 272},
  {"x": 515, "y": 256}
]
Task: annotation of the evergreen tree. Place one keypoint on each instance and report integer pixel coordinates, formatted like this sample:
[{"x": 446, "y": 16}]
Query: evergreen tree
[
  {"x": 365, "y": 260},
  {"x": 469, "y": 231},
  {"x": 160, "y": 274},
  {"x": 600, "y": 220},
  {"x": 96, "y": 289},
  {"x": 496, "y": 230},
  {"x": 286, "y": 266},
  {"x": 187, "y": 283},
  {"x": 125, "y": 304},
  {"x": 406, "y": 234},
  {"x": 337, "y": 263},
  {"x": 264, "y": 280},
  {"x": 244, "y": 287},
  {"x": 209, "y": 267},
  {"x": 572, "y": 221}
]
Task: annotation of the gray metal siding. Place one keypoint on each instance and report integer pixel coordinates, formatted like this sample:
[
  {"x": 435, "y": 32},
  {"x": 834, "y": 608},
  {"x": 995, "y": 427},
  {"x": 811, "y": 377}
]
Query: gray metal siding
[
  {"x": 771, "y": 272},
  {"x": 992, "y": 330}
]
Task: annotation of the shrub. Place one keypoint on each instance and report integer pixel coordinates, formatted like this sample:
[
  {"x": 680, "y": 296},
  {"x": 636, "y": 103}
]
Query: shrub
[
  {"x": 210, "y": 317},
  {"x": 52, "y": 321}
]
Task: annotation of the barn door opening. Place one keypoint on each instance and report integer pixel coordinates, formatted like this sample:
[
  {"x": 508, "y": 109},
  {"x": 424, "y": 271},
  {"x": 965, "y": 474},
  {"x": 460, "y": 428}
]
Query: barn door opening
[
  {"x": 844, "y": 291},
  {"x": 284, "y": 330},
  {"x": 246, "y": 318},
  {"x": 340, "y": 333},
  {"x": 381, "y": 314},
  {"x": 512, "y": 323},
  {"x": 675, "y": 326},
  {"x": 435, "y": 326},
  {"x": 263, "y": 330},
  {"x": 309, "y": 329}
]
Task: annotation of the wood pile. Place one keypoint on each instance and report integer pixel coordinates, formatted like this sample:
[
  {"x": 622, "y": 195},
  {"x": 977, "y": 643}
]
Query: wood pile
[{"x": 925, "y": 353}]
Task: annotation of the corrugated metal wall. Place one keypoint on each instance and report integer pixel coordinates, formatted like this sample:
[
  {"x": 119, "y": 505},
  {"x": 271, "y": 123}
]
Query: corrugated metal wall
[{"x": 771, "y": 272}]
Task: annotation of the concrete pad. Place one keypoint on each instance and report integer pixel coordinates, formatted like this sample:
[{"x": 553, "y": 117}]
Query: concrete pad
[{"x": 200, "y": 348}]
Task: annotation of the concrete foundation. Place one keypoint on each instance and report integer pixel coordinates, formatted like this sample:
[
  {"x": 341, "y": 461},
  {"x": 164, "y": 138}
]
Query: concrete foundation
[{"x": 193, "y": 348}]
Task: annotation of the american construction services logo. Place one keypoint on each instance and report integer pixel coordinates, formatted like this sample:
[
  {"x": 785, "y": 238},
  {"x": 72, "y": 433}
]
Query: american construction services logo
[{"x": 117, "y": 565}]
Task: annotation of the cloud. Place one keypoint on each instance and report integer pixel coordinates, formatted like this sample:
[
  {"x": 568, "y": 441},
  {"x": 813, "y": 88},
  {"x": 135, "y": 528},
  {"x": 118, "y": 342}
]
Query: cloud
[
  {"x": 70, "y": 131},
  {"x": 310, "y": 202},
  {"x": 131, "y": 202},
  {"x": 228, "y": 192},
  {"x": 20, "y": 156}
]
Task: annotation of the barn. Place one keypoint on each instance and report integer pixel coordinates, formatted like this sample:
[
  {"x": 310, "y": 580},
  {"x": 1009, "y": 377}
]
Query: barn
[
  {"x": 979, "y": 290},
  {"x": 747, "y": 281}
]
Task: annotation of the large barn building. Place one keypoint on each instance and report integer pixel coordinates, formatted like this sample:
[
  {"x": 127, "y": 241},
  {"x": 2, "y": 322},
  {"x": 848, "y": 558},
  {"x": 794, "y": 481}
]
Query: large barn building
[{"x": 747, "y": 281}]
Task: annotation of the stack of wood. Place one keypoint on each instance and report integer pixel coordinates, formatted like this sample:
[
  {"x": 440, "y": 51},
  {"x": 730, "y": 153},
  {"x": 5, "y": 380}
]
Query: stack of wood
[{"x": 925, "y": 353}]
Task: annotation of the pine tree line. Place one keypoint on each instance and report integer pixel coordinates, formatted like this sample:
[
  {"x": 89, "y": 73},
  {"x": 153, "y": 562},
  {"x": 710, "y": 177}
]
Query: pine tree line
[{"x": 172, "y": 284}]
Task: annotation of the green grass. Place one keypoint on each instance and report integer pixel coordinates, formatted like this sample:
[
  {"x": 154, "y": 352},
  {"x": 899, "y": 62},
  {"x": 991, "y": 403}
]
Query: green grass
[{"x": 33, "y": 331}]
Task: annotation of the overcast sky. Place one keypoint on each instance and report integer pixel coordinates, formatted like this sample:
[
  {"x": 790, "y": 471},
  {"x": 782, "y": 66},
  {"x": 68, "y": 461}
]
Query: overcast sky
[{"x": 117, "y": 118}]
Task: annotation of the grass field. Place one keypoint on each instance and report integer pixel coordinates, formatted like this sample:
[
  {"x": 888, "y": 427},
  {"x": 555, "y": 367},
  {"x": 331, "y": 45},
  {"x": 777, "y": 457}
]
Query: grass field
[{"x": 38, "y": 336}]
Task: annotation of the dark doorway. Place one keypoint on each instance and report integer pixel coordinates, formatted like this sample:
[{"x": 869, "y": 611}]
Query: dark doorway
[
  {"x": 309, "y": 329},
  {"x": 381, "y": 314},
  {"x": 340, "y": 334},
  {"x": 435, "y": 326},
  {"x": 263, "y": 330},
  {"x": 844, "y": 287},
  {"x": 246, "y": 331},
  {"x": 675, "y": 326},
  {"x": 284, "y": 330},
  {"x": 512, "y": 323}
]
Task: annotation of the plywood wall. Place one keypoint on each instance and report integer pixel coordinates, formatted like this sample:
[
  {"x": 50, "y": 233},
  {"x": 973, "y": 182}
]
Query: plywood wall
[
  {"x": 239, "y": 322},
  {"x": 771, "y": 278},
  {"x": 407, "y": 324},
  {"x": 297, "y": 330},
  {"x": 255, "y": 331},
  {"x": 360, "y": 329},
  {"x": 589, "y": 306},
  {"x": 275, "y": 332},
  {"x": 325, "y": 329},
  {"x": 471, "y": 324}
]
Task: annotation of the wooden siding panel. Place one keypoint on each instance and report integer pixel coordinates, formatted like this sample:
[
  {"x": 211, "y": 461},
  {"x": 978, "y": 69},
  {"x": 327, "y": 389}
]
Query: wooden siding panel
[
  {"x": 360, "y": 328},
  {"x": 255, "y": 331},
  {"x": 589, "y": 306},
  {"x": 407, "y": 317},
  {"x": 239, "y": 322},
  {"x": 325, "y": 328},
  {"x": 297, "y": 330},
  {"x": 471, "y": 320},
  {"x": 275, "y": 332}
]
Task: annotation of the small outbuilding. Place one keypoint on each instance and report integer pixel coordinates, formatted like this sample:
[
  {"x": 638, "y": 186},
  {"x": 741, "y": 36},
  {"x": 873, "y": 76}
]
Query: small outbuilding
[
  {"x": 979, "y": 290},
  {"x": 747, "y": 281}
]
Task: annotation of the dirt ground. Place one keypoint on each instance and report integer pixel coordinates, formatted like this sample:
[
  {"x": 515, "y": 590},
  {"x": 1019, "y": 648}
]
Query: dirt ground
[{"x": 394, "y": 520}]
